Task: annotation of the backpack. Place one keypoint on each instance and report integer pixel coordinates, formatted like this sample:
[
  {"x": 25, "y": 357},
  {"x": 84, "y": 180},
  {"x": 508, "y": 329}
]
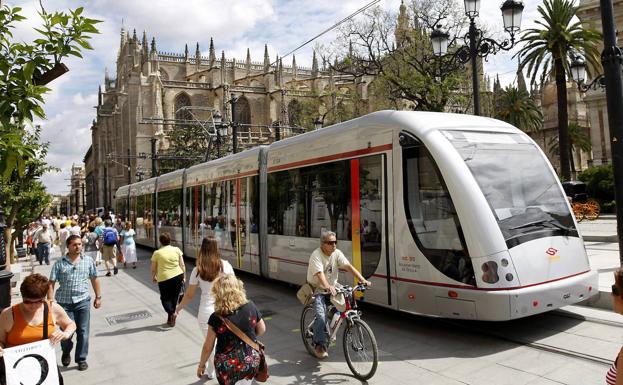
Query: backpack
[{"x": 110, "y": 238}]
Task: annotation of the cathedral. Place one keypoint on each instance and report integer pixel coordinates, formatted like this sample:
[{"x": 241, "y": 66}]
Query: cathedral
[{"x": 155, "y": 91}]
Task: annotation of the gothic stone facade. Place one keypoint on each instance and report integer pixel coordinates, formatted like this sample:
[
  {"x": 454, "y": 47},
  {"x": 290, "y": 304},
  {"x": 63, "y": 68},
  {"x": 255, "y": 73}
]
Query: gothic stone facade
[{"x": 145, "y": 100}]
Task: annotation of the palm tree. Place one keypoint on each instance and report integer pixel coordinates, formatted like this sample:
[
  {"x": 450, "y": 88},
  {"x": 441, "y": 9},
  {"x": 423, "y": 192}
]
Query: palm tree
[
  {"x": 578, "y": 140},
  {"x": 519, "y": 109},
  {"x": 546, "y": 51}
]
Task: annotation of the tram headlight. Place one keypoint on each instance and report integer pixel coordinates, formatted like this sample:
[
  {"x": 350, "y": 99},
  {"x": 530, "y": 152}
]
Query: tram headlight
[{"x": 490, "y": 272}]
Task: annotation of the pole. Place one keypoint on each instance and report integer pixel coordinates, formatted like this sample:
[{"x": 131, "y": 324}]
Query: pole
[
  {"x": 473, "y": 51},
  {"x": 153, "y": 157},
  {"x": 218, "y": 142},
  {"x": 129, "y": 168},
  {"x": 84, "y": 198},
  {"x": 105, "y": 188},
  {"x": 234, "y": 125},
  {"x": 611, "y": 59}
]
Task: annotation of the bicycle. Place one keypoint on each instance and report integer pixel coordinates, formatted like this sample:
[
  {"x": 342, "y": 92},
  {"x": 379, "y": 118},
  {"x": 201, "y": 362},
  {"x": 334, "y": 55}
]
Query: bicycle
[{"x": 360, "y": 348}]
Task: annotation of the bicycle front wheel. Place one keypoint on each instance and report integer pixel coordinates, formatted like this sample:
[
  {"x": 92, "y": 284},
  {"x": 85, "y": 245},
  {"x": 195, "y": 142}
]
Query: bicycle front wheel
[
  {"x": 307, "y": 328},
  {"x": 360, "y": 350}
]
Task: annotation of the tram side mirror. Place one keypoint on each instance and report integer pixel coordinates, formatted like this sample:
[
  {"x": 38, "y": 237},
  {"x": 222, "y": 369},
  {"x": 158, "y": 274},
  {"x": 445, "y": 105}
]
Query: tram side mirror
[{"x": 407, "y": 140}]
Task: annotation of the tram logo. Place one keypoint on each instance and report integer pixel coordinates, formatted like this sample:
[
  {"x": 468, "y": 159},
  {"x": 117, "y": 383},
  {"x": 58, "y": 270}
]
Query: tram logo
[{"x": 553, "y": 254}]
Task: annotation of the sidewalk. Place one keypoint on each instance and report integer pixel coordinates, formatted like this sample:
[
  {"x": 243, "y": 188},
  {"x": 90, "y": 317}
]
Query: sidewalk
[{"x": 129, "y": 333}]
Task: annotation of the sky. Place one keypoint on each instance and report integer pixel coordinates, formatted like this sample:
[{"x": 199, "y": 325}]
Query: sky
[{"x": 235, "y": 25}]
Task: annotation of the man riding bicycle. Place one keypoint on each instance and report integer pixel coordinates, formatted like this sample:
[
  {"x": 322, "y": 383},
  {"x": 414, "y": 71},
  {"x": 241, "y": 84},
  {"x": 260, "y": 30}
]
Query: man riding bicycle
[{"x": 322, "y": 274}]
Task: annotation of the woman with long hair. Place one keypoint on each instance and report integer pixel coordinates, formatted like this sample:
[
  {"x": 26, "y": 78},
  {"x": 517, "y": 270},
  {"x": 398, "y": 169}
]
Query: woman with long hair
[
  {"x": 235, "y": 361},
  {"x": 209, "y": 267}
]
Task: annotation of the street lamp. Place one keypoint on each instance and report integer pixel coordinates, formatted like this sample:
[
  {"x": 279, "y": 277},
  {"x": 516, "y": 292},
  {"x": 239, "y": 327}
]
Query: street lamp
[
  {"x": 475, "y": 44},
  {"x": 578, "y": 72},
  {"x": 221, "y": 131}
]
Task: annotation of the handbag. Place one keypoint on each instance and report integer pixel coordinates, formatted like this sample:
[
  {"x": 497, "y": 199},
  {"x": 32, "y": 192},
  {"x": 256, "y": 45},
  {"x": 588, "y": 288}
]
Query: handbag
[
  {"x": 305, "y": 293},
  {"x": 120, "y": 256},
  {"x": 262, "y": 370}
]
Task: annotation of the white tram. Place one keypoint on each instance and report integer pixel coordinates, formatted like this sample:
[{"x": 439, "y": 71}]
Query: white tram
[{"x": 449, "y": 215}]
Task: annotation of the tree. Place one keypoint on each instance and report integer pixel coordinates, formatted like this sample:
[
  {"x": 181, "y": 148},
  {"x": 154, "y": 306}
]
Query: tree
[
  {"x": 579, "y": 140},
  {"x": 519, "y": 109},
  {"x": 396, "y": 51},
  {"x": 25, "y": 69},
  {"x": 23, "y": 195},
  {"x": 546, "y": 51}
]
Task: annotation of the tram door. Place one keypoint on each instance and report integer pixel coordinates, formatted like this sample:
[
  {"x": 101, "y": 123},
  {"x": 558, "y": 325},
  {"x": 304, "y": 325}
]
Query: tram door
[
  {"x": 238, "y": 223},
  {"x": 368, "y": 204}
]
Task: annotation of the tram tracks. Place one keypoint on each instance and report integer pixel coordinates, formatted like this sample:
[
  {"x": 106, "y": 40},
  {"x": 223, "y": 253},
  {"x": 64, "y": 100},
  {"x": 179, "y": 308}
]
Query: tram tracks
[{"x": 517, "y": 340}]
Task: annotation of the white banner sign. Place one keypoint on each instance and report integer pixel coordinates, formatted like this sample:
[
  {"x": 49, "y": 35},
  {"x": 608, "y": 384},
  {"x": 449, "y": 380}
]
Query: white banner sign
[{"x": 31, "y": 364}]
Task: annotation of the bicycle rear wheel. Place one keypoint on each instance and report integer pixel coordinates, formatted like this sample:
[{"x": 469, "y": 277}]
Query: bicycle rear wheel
[
  {"x": 307, "y": 328},
  {"x": 360, "y": 350}
]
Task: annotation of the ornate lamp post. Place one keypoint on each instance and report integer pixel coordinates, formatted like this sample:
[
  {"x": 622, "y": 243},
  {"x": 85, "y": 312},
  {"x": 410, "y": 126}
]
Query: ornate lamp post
[
  {"x": 578, "y": 72},
  {"x": 221, "y": 131},
  {"x": 476, "y": 45}
]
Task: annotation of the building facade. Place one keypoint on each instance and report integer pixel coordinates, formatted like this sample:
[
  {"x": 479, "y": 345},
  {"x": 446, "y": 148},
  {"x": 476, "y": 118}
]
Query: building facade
[
  {"x": 155, "y": 91},
  {"x": 589, "y": 13}
]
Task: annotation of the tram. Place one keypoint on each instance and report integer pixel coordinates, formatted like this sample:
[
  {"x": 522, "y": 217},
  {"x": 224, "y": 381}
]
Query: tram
[{"x": 448, "y": 215}]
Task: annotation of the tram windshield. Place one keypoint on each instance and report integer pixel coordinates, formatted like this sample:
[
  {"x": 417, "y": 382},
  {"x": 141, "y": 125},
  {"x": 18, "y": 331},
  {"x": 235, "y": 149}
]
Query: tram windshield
[{"x": 523, "y": 193}]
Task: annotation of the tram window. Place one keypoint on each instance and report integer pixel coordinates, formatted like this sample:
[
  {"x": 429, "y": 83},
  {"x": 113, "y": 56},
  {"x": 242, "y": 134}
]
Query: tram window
[
  {"x": 328, "y": 187},
  {"x": 432, "y": 218},
  {"x": 170, "y": 208},
  {"x": 254, "y": 201},
  {"x": 283, "y": 200},
  {"x": 371, "y": 212}
]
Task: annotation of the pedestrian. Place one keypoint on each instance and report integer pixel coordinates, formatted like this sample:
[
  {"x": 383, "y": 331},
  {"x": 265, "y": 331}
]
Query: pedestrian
[
  {"x": 63, "y": 233},
  {"x": 34, "y": 319},
  {"x": 109, "y": 240},
  {"x": 208, "y": 267},
  {"x": 99, "y": 230},
  {"x": 119, "y": 226},
  {"x": 617, "y": 306},
  {"x": 73, "y": 272},
  {"x": 231, "y": 304},
  {"x": 129, "y": 246},
  {"x": 74, "y": 229},
  {"x": 43, "y": 240},
  {"x": 169, "y": 271},
  {"x": 90, "y": 242}
]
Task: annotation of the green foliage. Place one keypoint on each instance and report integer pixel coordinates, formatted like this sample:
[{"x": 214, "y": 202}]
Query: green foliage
[
  {"x": 23, "y": 66},
  {"x": 519, "y": 109},
  {"x": 188, "y": 144},
  {"x": 599, "y": 182},
  {"x": 546, "y": 50}
]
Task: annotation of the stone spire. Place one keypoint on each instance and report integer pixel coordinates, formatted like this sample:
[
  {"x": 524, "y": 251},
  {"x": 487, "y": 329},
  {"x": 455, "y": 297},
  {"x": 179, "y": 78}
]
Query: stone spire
[
  {"x": 295, "y": 70},
  {"x": 212, "y": 54},
  {"x": 186, "y": 52},
  {"x": 521, "y": 81},
  {"x": 402, "y": 27},
  {"x": 134, "y": 38},
  {"x": 106, "y": 77},
  {"x": 281, "y": 83},
  {"x": 248, "y": 62},
  {"x": 123, "y": 40},
  {"x": 223, "y": 69},
  {"x": 153, "y": 45},
  {"x": 266, "y": 59},
  {"x": 314, "y": 66},
  {"x": 197, "y": 57},
  {"x": 144, "y": 47},
  {"x": 99, "y": 95},
  {"x": 276, "y": 73}
]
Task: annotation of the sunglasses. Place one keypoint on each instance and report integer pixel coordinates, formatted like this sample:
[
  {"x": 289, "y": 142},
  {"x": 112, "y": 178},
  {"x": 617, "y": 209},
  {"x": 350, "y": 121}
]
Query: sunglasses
[
  {"x": 615, "y": 290},
  {"x": 33, "y": 301},
  {"x": 331, "y": 242}
]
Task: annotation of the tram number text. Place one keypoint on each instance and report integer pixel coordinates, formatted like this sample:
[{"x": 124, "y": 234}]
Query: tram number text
[{"x": 407, "y": 264}]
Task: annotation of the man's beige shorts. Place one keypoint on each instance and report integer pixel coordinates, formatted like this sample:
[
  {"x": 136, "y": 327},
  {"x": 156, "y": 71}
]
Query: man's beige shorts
[{"x": 108, "y": 253}]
